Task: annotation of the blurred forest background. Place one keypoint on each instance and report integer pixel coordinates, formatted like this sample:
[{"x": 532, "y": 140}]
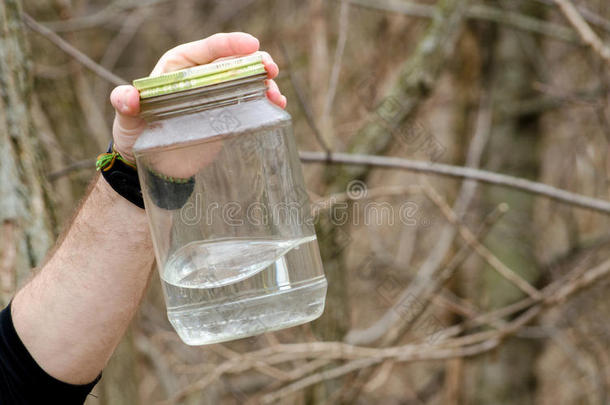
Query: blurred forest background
[{"x": 492, "y": 291}]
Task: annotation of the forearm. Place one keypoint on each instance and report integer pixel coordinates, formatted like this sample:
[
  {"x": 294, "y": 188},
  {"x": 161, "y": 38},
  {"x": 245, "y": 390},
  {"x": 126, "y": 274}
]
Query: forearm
[{"x": 72, "y": 315}]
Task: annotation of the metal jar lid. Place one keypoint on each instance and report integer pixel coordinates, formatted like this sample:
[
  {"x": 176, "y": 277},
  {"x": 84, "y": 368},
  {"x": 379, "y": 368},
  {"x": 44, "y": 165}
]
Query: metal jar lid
[{"x": 221, "y": 71}]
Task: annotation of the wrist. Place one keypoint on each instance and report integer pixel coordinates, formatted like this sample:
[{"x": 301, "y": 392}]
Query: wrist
[
  {"x": 104, "y": 192},
  {"x": 125, "y": 149},
  {"x": 121, "y": 175}
]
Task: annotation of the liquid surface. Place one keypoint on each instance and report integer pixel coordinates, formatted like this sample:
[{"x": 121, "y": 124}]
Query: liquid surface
[
  {"x": 224, "y": 290},
  {"x": 223, "y": 262}
]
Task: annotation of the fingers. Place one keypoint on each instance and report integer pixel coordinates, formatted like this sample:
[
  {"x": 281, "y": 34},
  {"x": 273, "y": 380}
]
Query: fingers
[
  {"x": 273, "y": 91},
  {"x": 126, "y": 101},
  {"x": 274, "y": 94},
  {"x": 127, "y": 122},
  {"x": 272, "y": 69},
  {"x": 219, "y": 46},
  {"x": 205, "y": 51}
]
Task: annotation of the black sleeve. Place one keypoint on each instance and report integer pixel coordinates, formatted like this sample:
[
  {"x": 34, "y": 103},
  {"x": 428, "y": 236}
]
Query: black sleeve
[{"x": 23, "y": 381}]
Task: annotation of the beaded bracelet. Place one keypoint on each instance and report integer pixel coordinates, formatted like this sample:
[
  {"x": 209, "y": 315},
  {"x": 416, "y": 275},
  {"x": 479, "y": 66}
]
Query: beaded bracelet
[
  {"x": 166, "y": 192},
  {"x": 121, "y": 175}
]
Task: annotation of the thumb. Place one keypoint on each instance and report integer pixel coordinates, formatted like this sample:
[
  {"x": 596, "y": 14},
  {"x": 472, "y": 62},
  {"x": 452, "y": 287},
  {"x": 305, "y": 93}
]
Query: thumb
[{"x": 127, "y": 124}]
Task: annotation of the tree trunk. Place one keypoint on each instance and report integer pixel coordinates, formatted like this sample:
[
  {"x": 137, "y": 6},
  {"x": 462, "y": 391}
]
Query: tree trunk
[
  {"x": 506, "y": 377},
  {"x": 26, "y": 216}
]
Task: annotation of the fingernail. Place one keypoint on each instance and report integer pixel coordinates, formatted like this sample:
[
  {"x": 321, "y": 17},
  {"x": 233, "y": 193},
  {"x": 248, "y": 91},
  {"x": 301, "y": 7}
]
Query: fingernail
[{"x": 124, "y": 106}]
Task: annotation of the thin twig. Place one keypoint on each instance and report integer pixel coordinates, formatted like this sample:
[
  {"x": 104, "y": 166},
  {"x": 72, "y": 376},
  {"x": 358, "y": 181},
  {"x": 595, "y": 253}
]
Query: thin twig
[
  {"x": 483, "y": 176},
  {"x": 261, "y": 366},
  {"x": 359, "y": 364},
  {"x": 324, "y": 204},
  {"x": 588, "y": 36},
  {"x": 555, "y": 293},
  {"x": 96, "y": 122},
  {"x": 403, "y": 7},
  {"x": 522, "y": 22},
  {"x": 588, "y": 278},
  {"x": 563, "y": 287},
  {"x": 480, "y": 12},
  {"x": 108, "y": 14},
  {"x": 479, "y": 248},
  {"x": 336, "y": 70},
  {"x": 391, "y": 326},
  {"x": 303, "y": 102},
  {"x": 117, "y": 45},
  {"x": 72, "y": 51},
  {"x": 88, "y": 164},
  {"x": 454, "y": 263},
  {"x": 591, "y": 16},
  {"x": 361, "y": 357}
]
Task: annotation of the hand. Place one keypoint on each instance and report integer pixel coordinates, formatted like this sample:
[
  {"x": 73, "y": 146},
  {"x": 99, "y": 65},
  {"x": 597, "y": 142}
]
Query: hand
[{"x": 128, "y": 124}]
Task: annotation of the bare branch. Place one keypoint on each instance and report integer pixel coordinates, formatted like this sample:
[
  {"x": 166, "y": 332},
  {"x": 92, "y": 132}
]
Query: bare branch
[
  {"x": 418, "y": 78},
  {"x": 117, "y": 45},
  {"x": 362, "y": 357},
  {"x": 522, "y": 22},
  {"x": 76, "y": 166},
  {"x": 303, "y": 102},
  {"x": 402, "y": 7},
  {"x": 483, "y": 176},
  {"x": 589, "y": 278},
  {"x": 359, "y": 364},
  {"x": 480, "y": 249},
  {"x": 72, "y": 51},
  {"x": 481, "y": 12},
  {"x": 426, "y": 282},
  {"x": 588, "y": 36},
  {"x": 108, "y": 14},
  {"x": 591, "y": 16},
  {"x": 336, "y": 70}
]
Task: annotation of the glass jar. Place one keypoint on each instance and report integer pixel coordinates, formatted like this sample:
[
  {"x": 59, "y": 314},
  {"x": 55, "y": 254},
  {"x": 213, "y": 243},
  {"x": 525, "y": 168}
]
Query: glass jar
[{"x": 226, "y": 202}]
